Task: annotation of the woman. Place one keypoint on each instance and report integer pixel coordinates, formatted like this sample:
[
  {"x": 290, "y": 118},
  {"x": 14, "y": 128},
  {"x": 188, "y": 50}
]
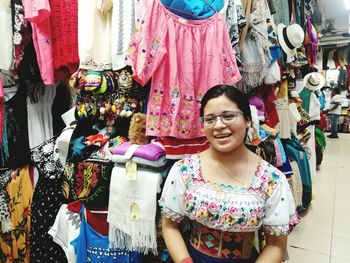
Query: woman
[{"x": 227, "y": 192}]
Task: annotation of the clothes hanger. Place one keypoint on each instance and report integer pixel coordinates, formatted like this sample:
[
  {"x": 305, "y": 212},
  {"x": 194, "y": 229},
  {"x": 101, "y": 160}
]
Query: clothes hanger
[{"x": 99, "y": 211}]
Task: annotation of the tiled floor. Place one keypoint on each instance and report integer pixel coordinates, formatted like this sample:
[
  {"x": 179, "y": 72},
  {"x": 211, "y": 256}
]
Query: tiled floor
[{"x": 323, "y": 236}]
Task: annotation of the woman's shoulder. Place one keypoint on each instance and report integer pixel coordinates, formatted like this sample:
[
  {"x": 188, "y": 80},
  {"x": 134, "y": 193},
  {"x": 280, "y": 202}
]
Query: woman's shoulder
[
  {"x": 269, "y": 176},
  {"x": 188, "y": 167}
]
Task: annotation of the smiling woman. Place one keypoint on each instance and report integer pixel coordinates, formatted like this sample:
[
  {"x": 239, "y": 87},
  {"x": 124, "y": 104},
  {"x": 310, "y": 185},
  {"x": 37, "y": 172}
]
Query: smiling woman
[{"x": 226, "y": 192}]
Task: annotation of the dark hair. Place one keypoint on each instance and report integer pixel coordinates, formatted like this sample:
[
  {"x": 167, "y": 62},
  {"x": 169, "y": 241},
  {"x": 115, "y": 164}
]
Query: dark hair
[
  {"x": 336, "y": 91},
  {"x": 232, "y": 94}
]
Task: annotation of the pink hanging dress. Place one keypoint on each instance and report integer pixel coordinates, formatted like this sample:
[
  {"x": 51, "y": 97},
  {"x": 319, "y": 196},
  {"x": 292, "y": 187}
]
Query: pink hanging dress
[{"x": 184, "y": 58}]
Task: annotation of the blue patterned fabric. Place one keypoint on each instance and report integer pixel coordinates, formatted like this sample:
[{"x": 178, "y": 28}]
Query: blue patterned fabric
[
  {"x": 194, "y": 9},
  {"x": 199, "y": 257},
  {"x": 91, "y": 246}
]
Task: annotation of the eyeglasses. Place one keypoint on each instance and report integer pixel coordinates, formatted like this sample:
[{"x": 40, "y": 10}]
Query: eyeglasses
[{"x": 226, "y": 117}]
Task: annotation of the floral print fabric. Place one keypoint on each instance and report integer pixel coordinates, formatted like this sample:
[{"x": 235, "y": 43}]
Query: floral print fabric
[
  {"x": 14, "y": 245},
  {"x": 235, "y": 20},
  {"x": 184, "y": 58},
  {"x": 267, "y": 202},
  {"x": 91, "y": 182},
  {"x": 47, "y": 200}
]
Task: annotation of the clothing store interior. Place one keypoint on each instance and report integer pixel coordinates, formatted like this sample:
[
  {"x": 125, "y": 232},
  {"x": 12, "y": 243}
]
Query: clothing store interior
[{"x": 184, "y": 131}]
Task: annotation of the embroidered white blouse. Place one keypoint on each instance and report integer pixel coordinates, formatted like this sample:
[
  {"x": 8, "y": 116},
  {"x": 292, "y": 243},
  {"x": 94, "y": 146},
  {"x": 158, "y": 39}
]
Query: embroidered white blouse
[{"x": 267, "y": 202}]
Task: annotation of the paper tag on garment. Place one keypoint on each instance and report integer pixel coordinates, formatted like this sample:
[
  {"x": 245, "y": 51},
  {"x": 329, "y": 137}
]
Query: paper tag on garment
[
  {"x": 135, "y": 212},
  {"x": 301, "y": 155},
  {"x": 130, "y": 152},
  {"x": 131, "y": 171}
]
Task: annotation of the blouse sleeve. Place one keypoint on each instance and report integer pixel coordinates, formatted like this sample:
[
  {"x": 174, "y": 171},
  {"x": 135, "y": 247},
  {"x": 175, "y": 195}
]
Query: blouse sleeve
[
  {"x": 147, "y": 49},
  {"x": 280, "y": 215},
  {"x": 172, "y": 200}
]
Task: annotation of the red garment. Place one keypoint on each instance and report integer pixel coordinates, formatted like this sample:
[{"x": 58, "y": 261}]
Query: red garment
[
  {"x": 348, "y": 74},
  {"x": 1, "y": 111},
  {"x": 180, "y": 148},
  {"x": 336, "y": 59},
  {"x": 268, "y": 96},
  {"x": 96, "y": 221},
  {"x": 64, "y": 25}
]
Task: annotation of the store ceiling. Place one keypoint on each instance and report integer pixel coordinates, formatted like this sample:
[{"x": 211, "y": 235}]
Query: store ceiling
[{"x": 334, "y": 9}]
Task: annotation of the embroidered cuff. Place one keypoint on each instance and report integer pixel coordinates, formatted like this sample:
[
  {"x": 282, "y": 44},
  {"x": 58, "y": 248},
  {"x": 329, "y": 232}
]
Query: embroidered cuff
[
  {"x": 283, "y": 229},
  {"x": 168, "y": 213}
]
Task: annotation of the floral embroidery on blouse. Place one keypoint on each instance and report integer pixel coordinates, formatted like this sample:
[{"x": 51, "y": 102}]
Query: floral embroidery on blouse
[{"x": 229, "y": 207}]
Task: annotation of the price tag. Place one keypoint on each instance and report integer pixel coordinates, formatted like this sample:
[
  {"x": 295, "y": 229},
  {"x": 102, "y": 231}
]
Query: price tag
[
  {"x": 131, "y": 171},
  {"x": 130, "y": 152},
  {"x": 301, "y": 155},
  {"x": 135, "y": 212}
]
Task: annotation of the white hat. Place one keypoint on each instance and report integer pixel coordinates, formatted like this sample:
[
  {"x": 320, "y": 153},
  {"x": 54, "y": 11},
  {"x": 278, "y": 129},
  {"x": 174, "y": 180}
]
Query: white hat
[
  {"x": 290, "y": 37},
  {"x": 314, "y": 81}
]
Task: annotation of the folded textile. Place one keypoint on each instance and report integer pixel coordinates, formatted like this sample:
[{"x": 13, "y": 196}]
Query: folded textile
[
  {"x": 150, "y": 151},
  {"x": 180, "y": 148},
  {"x": 162, "y": 161},
  {"x": 132, "y": 210}
]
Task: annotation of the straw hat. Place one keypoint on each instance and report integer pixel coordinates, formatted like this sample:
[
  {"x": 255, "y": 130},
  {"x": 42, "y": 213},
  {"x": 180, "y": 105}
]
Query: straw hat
[
  {"x": 314, "y": 81},
  {"x": 290, "y": 37}
]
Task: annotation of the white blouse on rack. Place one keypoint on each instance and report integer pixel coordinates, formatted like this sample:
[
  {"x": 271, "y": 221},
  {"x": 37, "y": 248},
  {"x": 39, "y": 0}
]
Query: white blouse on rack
[
  {"x": 94, "y": 34},
  {"x": 6, "y": 35}
]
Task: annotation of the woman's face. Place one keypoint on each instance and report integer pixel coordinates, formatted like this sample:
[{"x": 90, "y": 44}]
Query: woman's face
[{"x": 224, "y": 137}]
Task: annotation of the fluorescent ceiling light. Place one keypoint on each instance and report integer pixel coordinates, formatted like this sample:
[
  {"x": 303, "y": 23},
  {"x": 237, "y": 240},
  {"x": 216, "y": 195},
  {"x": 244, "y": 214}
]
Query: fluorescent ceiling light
[{"x": 347, "y": 4}]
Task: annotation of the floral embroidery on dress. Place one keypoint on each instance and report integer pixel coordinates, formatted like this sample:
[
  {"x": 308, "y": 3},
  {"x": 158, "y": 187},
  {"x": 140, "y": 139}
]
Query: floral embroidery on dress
[
  {"x": 231, "y": 70},
  {"x": 86, "y": 178},
  {"x": 229, "y": 207}
]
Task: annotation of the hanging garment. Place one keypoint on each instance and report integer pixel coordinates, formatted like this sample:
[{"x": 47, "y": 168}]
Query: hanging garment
[
  {"x": 161, "y": 43},
  {"x": 39, "y": 103},
  {"x": 65, "y": 230},
  {"x": 282, "y": 12},
  {"x": 6, "y": 35},
  {"x": 247, "y": 5},
  {"x": 319, "y": 61},
  {"x": 5, "y": 178},
  {"x": 92, "y": 180},
  {"x": 296, "y": 152},
  {"x": 123, "y": 26},
  {"x": 132, "y": 209},
  {"x": 235, "y": 21},
  {"x": 330, "y": 61},
  {"x": 255, "y": 53},
  {"x": 312, "y": 106},
  {"x": 47, "y": 199},
  {"x": 64, "y": 26},
  {"x": 21, "y": 32},
  {"x": 296, "y": 185},
  {"x": 94, "y": 35},
  {"x": 37, "y": 12},
  {"x": 342, "y": 57},
  {"x": 268, "y": 96},
  {"x": 194, "y": 9},
  {"x": 2, "y": 113},
  {"x": 17, "y": 153},
  {"x": 14, "y": 245},
  {"x": 91, "y": 246}
]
